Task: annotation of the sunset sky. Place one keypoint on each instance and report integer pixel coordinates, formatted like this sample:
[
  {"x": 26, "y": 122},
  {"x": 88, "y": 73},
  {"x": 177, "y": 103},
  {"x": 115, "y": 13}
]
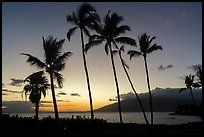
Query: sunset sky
[{"x": 177, "y": 27}]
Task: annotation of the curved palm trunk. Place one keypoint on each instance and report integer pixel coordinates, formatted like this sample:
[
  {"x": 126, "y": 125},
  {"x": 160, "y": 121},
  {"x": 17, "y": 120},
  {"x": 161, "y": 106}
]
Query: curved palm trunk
[
  {"x": 150, "y": 95},
  {"x": 36, "y": 110},
  {"x": 193, "y": 97},
  {"x": 131, "y": 84},
  {"x": 87, "y": 75},
  {"x": 116, "y": 83},
  {"x": 53, "y": 97}
]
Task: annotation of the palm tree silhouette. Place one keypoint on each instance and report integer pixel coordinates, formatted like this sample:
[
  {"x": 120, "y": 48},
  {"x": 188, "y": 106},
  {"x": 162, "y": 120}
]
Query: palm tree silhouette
[
  {"x": 109, "y": 32},
  {"x": 84, "y": 18},
  {"x": 146, "y": 48},
  {"x": 37, "y": 84},
  {"x": 54, "y": 63},
  {"x": 199, "y": 80},
  {"x": 189, "y": 81},
  {"x": 125, "y": 67}
]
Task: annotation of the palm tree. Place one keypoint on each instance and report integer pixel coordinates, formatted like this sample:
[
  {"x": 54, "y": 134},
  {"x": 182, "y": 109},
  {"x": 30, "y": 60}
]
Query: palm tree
[
  {"x": 109, "y": 32},
  {"x": 37, "y": 84},
  {"x": 189, "y": 81},
  {"x": 146, "y": 48},
  {"x": 125, "y": 67},
  {"x": 54, "y": 63},
  {"x": 84, "y": 18}
]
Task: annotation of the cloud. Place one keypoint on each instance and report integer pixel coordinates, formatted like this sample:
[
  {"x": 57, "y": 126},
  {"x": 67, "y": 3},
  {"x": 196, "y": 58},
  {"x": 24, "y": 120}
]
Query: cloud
[
  {"x": 60, "y": 100},
  {"x": 169, "y": 66},
  {"x": 4, "y": 94},
  {"x": 16, "y": 82},
  {"x": 59, "y": 105},
  {"x": 62, "y": 93},
  {"x": 112, "y": 99},
  {"x": 75, "y": 94},
  {"x": 127, "y": 96},
  {"x": 46, "y": 105},
  {"x": 46, "y": 102},
  {"x": 194, "y": 67},
  {"x": 12, "y": 91},
  {"x": 162, "y": 68}
]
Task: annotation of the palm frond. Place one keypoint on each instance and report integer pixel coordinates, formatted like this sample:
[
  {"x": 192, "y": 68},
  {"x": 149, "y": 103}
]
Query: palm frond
[
  {"x": 34, "y": 61},
  {"x": 125, "y": 40},
  {"x": 52, "y": 49},
  {"x": 107, "y": 18},
  {"x": 150, "y": 41},
  {"x": 95, "y": 26},
  {"x": 197, "y": 85},
  {"x": 134, "y": 53},
  {"x": 95, "y": 37},
  {"x": 59, "y": 45},
  {"x": 44, "y": 93},
  {"x": 59, "y": 78},
  {"x": 121, "y": 29},
  {"x": 85, "y": 9},
  {"x": 27, "y": 89},
  {"x": 70, "y": 32},
  {"x": 92, "y": 44},
  {"x": 199, "y": 75},
  {"x": 58, "y": 67},
  {"x": 71, "y": 19},
  {"x": 34, "y": 77},
  {"x": 62, "y": 58},
  {"x": 154, "y": 48},
  {"x": 123, "y": 61},
  {"x": 86, "y": 31},
  {"x": 122, "y": 48},
  {"x": 115, "y": 19},
  {"x": 106, "y": 48},
  {"x": 91, "y": 21},
  {"x": 143, "y": 43}
]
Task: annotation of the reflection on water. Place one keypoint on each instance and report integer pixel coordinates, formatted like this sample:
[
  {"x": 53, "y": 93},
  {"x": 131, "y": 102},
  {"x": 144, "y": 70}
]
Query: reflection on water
[{"x": 128, "y": 117}]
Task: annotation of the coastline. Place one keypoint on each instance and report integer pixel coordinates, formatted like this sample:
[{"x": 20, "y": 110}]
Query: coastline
[{"x": 48, "y": 126}]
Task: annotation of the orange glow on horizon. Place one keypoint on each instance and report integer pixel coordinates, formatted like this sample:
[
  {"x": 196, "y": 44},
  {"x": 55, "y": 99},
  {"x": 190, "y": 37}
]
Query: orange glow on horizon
[{"x": 66, "y": 106}]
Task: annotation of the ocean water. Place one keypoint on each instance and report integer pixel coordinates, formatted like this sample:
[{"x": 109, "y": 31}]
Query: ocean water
[{"x": 128, "y": 117}]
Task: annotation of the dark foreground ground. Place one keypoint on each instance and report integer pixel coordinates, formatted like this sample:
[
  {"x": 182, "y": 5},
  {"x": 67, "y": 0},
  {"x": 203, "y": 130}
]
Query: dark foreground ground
[{"x": 28, "y": 126}]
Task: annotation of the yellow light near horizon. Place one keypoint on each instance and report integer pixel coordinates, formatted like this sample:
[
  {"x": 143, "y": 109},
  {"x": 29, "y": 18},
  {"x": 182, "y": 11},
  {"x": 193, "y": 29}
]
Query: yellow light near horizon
[
  {"x": 68, "y": 107},
  {"x": 3, "y": 107}
]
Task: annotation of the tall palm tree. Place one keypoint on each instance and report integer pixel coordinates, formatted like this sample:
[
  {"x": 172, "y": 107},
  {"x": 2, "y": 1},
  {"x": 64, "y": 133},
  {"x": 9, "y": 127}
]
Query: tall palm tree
[
  {"x": 84, "y": 18},
  {"x": 125, "y": 67},
  {"x": 146, "y": 47},
  {"x": 54, "y": 63},
  {"x": 37, "y": 84},
  {"x": 109, "y": 32},
  {"x": 189, "y": 81}
]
